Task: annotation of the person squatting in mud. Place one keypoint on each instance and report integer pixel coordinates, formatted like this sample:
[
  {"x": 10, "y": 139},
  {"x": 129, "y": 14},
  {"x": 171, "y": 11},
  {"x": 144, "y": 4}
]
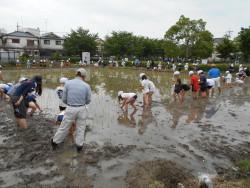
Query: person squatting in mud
[
  {"x": 76, "y": 94},
  {"x": 127, "y": 98},
  {"x": 18, "y": 98}
]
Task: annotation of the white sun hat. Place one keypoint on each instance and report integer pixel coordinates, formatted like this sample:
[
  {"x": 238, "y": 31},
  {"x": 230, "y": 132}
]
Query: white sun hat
[
  {"x": 142, "y": 74},
  {"x": 227, "y": 72},
  {"x": 200, "y": 71},
  {"x": 120, "y": 93},
  {"x": 176, "y": 73},
  {"x": 191, "y": 73},
  {"x": 22, "y": 79},
  {"x": 63, "y": 80}
]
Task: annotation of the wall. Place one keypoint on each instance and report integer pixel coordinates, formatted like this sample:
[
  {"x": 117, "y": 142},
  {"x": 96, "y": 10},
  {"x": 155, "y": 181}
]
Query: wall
[
  {"x": 21, "y": 44},
  {"x": 52, "y": 45}
]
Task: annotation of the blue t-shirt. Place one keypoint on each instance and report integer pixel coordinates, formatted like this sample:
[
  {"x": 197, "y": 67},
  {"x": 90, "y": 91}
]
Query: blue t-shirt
[
  {"x": 31, "y": 98},
  {"x": 7, "y": 88},
  {"x": 214, "y": 73},
  {"x": 25, "y": 88}
]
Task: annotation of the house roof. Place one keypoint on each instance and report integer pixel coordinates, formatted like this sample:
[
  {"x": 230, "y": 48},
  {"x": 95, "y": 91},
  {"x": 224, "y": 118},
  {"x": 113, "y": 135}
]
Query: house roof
[
  {"x": 218, "y": 40},
  {"x": 50, "y": 35},
  {"x": 21, "y": 34}
]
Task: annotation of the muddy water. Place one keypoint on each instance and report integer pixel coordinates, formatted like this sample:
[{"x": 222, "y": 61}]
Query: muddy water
[{"x": 192, "y": 134}]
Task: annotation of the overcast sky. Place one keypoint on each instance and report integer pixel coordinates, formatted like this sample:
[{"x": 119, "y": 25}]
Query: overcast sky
[{"x": 142, "y": 17}]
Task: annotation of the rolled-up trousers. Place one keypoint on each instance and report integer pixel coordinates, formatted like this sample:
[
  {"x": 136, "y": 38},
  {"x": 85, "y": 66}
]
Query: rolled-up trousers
[{"x": 72, "y": 114}]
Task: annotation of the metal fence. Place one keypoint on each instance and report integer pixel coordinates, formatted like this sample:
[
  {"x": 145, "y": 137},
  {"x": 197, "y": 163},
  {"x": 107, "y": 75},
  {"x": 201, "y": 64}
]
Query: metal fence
[{"x": 9, "y": 56}]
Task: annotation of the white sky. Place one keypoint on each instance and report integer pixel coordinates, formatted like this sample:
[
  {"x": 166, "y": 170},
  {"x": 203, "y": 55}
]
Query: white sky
[{"x": 142, "y": 17}]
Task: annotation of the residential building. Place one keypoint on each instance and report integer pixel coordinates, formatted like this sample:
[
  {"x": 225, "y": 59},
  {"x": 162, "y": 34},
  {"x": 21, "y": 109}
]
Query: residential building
[
  {"x": 29, "y": 41},
  {"x": 16, "y": 43},
  {"x": 50, "y": 43}
]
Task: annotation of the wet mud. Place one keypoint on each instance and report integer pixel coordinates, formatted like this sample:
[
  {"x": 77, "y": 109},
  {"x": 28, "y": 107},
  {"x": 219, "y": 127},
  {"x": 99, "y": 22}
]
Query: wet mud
[{"x": 162, "y": 146}]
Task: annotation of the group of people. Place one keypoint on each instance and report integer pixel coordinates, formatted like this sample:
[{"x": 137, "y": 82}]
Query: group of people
[
  {"x": 204, "y": 85},
  {"x": 74, "y": 96},
  {"x": 148, "y": 89}
]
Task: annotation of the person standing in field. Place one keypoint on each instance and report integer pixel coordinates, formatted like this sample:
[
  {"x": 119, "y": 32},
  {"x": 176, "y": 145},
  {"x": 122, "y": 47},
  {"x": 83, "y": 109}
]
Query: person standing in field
[
  {"x": 203, "y": 83},
  {"x": 148, "y": 89},
  {"x": 194, "y": 82},
  {"x": 76, "y": 94},
  {"x": 215, "y": 74}
]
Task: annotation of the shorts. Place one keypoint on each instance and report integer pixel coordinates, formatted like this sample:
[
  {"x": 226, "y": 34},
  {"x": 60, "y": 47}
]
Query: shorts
[
  {"x": 185, "y": 87},
  {"x": 216, "y": 82},
  {"x": 132, "y": 99},
  {"x": 210, "y": 87},
  {"x": 203, "y": 88},
  {"x": 20, "y": 111}
]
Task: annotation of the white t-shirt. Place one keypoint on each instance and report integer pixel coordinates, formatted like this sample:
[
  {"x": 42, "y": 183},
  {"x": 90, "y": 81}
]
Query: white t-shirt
[
  {"x": 148, "y": 86},
  {"x": 210, "y": 82},
  {"x": 59, "y": 92},
  {"x": 128, "y": 95},
  {"x": 151, "y": 86},
  {"x": 228, "y": 78},
  {"x": 2, "y": 86}
]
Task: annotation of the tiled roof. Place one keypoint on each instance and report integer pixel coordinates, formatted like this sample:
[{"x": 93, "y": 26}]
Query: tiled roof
[
  {"x": 50, "y": 35},
  {"x": 21, "y": 34}
]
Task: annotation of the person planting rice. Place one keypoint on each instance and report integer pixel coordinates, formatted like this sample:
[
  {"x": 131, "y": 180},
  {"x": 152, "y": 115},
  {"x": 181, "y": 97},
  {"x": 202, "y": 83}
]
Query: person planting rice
[
  {"x": 203, "y": 83},
  {"x": 59, "y": 92},
  {"x": 4, "y": 88},
  {"x": 214, "y": 73},
  {"x": 228, "y": 79},
  {"x": 148, "y": 89},
  {"x": 32, "y": 103},
  {"x": 210, "y": 87},
  {"x": 127, "y": 99},
  {"x": 18, "y": 98},
  {"x": 194, "y": 82}
]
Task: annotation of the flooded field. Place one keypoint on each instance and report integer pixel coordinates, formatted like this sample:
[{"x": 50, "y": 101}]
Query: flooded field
[{"x": 203, "y": 136}]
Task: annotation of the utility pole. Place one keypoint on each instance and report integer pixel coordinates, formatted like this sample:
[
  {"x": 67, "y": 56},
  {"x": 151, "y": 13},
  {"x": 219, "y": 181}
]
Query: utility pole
[
  {"x": 229, "y": 33},
  {"x": 17, "y": 26}
]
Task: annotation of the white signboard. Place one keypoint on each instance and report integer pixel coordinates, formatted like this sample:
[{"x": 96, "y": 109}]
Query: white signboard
[
  {"x": 86, "y": 57},
  {"x": 204, "y": 61}
]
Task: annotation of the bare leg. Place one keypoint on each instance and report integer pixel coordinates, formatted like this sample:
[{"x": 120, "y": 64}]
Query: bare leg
[
  {"x": 32, "y": 105},
  {"x": 22, "y": 123}
]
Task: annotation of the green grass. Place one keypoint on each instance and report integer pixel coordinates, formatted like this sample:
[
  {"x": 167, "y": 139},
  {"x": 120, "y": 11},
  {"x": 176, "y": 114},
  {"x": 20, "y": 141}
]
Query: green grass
[
  {"x": 244, "y": 165},
  {"x": 246, "y": 182}
]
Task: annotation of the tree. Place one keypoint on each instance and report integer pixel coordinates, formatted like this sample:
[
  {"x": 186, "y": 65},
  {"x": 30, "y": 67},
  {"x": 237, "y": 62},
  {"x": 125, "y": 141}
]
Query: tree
[
  {"x": 171, "y": 49},
  {"x": 226, "y": 48},
  {"x": 187, "y": 33},
  {"x": 119, "y": 44},
  {"x": 203, "y": 47},
  {"x": 244, "y": 42},
  {"x": 80, "y": 41}
]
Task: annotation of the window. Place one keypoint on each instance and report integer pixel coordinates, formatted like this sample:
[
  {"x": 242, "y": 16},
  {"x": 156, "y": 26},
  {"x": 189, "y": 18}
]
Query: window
[
  {"x": 47, "y": 42},
  {"x": 58, "y": 42},
  {"x": 15, "y": 40},
  {"x": 30, "y": 43}
]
